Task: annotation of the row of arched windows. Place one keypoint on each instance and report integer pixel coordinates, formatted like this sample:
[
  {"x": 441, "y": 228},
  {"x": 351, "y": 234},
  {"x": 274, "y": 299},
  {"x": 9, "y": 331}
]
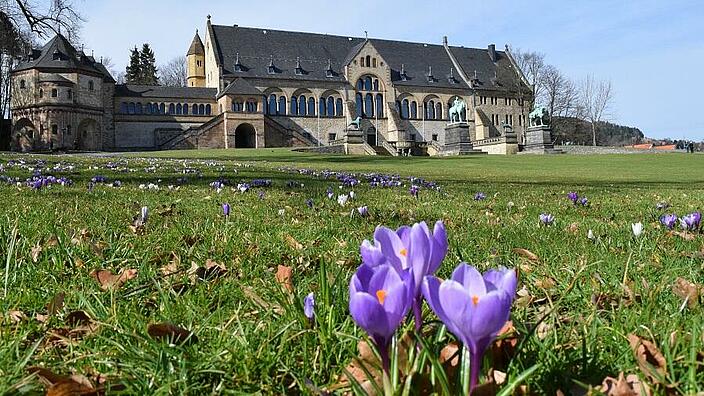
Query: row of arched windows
[
  {"x": 161, "y": 108},
  {"x": 368, "y": 84},
  {"x": 303, "y": 106},
  {"x": 408, "y": 110},
  {"x": 366, "y": 103},
  {"x": 250, "y": 106}
]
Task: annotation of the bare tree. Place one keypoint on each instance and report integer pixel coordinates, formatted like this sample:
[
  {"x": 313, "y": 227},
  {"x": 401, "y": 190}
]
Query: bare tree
[
  {"x": 595, "y": 100},
  {"x": 174, "y": 73},
  {"x": 533, "y": 66},
  {"x": 559, "y": 93},
  {"x": 109, "y": 65}
]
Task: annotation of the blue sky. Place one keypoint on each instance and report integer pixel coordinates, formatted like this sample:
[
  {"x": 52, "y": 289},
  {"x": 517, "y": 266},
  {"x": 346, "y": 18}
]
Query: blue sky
[{"x": 652, "y": 51}]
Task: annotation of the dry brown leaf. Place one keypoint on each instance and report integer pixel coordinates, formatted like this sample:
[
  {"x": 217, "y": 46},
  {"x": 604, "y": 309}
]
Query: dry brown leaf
[
  {"x": 172, "y": 266},
  {"x": 36, "y": 251},
  {"x": 210, "y": 271},
  {"x": 171, "y": 333},
  {"x": 503, "y": 349},
  {"x": 687, "y": 236},
  {"x": 356, "y": 369},
  {"x": 573, "y": 228},
  {"x": 293, "y": 243},
  {"x": 107, "y": 280},
  {"x": 543, "y": 330},
  {"x": 16, "y": 316},
  {"x": 527, "y": 254},
  {"x": 545, "y": 283},
  {"x": 629, "y": 385},
  {"x": 56, "y": 303},
  {"x": 650, "y": 360},
  {"x": 52, "y": 241},
  {"x": 80, "y": 325},
  {"x": 284, "y": 275},
  {"x": 688, "y": 291}
]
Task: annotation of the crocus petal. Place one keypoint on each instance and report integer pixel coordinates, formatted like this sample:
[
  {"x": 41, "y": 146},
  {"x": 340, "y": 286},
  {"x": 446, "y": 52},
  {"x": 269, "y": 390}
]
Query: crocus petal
[
  {"x": 418, "y": 253},
  {"x": 391, "y": 246},
  {"x": 369, "y": 314},
  {"x": 470, "y": 279},
  {"x": 503, "y": 279},
  {"x": 486, "y": 317},
  {"x": 371, "y": 255},
  {"x": 431, "y": 293},
  {"x": 439, "y": 247}
]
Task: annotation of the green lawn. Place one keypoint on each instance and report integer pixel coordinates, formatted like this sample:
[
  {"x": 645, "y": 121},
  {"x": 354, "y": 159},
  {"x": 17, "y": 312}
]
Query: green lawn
[{"x": 581, "y": 298}]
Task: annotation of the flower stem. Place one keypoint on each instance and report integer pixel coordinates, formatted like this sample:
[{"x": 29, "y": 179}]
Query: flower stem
[{"x": 475, "y": 367}]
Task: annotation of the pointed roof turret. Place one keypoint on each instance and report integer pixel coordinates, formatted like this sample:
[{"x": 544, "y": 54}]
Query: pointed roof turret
[{"x": 196, "y": 46}]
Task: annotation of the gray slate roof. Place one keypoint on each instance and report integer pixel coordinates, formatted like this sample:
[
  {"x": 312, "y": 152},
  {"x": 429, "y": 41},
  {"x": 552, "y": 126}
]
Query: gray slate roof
[
  {"x": 240, "y": 86},
  {"x": 68, "y": 59},
  {"x": 148, "y": 91},
  {"x": 258, "y": 47},
  {"x": 196, "y": 47}
]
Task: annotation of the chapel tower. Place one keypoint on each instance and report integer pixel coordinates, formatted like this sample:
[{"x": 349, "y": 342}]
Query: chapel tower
[{"x": 195, "y": 63}]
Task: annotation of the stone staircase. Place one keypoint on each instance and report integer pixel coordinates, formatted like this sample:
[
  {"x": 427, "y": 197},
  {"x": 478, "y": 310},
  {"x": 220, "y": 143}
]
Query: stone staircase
[
  {"x": 182, "y": 141},
  {"x": 303, "y": 136}
]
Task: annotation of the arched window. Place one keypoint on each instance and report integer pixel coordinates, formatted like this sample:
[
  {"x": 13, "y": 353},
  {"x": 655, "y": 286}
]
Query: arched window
[
  {"x": 208, "y": 109},
  {"x": 368, "y": 84},
  {"x": 172, "y": 108},
  {"x": 23, "y": 84},
  {"x": 91, "y": 86},
  {"x": 331, "y": 107},
  {"x": 373, "y": 62},
  {"x": 321, "y": 107},
  {"x": 41, "y": 93},
  {"x": 282, "y": 105},
  {"x": 54, "y": 93},
  {"x": 368, "y": 61},
  {"x": 380, "y": 105},
  {"x": 361, "y": 61},
  {"x": 338, "y": 108},
  {"x": 130, "y": 108},
  {"x": 311, "y": 106},
  {"x": 272, "y": 104},
  {"x": 360, "y": 104},
  {"x": 430, "y": 110},
  {"x": 162, "y": 108},
  {"x": 369, "y": 105},
  {"x": 438, "y": 111},
  {"x": 404, "y": 109},
  {"x": 139, "y": 109},
  {"x": 179, "y": 108},
  {"x": 251, "y": 106},
  {"x": 294, "y": 106},
  {"x": 185, "y": 108},
  {"x": 302, "y": 105},
  {"x": 376, "y": 84},
  {"x": 414, "y": 110},
  {"x": 265, "y": 104},
  {"x": 123, "y": 108},
  {"x": 201, "y": 109},
  {"x": 148, "y": 108},
  {"x": 360, "y": 85}
]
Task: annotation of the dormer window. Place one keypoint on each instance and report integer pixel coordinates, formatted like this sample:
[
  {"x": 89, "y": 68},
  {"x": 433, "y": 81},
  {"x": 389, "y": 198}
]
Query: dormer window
[
  {"x": 430, "y": 74},
  {"x": 451, "y": 77},
  {"x": 56, "y": 55},
  {"x": 238, "y": 65},
  {"x": 91, "y": 86},
  {"x": 404, "y": 76},
  {"x": 299, "y": 69},
  {"x": 271, "y": 69},
  {"x": 329, "y": 72}
]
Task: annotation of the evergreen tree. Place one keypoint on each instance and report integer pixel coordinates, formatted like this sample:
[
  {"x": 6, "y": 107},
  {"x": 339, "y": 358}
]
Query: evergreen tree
[
  {"x": 147, "y": 62},
  {"x": 133, "y": 72}
]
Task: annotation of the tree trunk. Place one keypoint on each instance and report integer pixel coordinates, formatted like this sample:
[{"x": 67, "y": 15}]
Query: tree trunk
[{"x": 593, "y": 134}]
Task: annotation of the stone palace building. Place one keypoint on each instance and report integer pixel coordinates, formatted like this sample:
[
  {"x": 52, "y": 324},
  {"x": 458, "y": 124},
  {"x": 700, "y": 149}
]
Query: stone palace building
[{"x": 255, "y": 87}]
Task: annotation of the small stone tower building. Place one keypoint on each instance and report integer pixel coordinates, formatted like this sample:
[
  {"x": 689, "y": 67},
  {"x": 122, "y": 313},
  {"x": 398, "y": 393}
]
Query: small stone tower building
[{"x": 195, "y": 60}]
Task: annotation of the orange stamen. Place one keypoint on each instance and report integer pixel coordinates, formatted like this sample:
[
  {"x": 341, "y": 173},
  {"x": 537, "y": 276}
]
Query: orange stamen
[
  {"x": 381, "y": 296},
  {"x": 475, "y": 300},
  {"x": 403, "y": 252}
]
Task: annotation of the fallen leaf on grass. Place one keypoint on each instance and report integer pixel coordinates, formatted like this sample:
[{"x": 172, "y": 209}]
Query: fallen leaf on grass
[
  {"x": 107, "y": 280},
  {"x": 16, "y": 316},
  {"x": 171, "y": 333},
  {"x": 629, "y": 385},
  {"x": 172, "y": 266},
  {"x": 62, "y": 385},
  {"x": 688, "y": 291},
  {"x": 503, "y": 349},
  {"x": 36, "y": 251},
  {"x": 650, "y": 360},
  {"x": 292, "y": 242},
  {"x": 284, "y": 276},
  {"x": 80, "y": 325},
  {"x": 527, "y": 254},
  {"x": 210, "y": 271},
  {"x": 687, "y": 236},
  {"x": 257, "y": 300}
]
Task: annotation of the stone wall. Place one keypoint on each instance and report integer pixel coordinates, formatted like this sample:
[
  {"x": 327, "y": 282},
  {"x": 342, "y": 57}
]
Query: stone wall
[{"x": 132, "y": 132}]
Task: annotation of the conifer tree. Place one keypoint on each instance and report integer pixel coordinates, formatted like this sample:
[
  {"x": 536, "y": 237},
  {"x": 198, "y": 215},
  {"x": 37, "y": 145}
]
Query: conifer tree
[
  {"x": 147, "y": 62},
  {"x": 133, "y": 72}
]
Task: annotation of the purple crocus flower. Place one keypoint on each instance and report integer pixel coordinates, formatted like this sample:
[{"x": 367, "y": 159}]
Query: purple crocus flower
[
  {"x": 584, "y": 201},
  {"x": 669, "y": 220},
  {"x": 363, "y": 211},
  {"x": 226, "y": 209},
  {"x": 573, "y": 197},
  {"x": 309, "y": 305},
  {"x": 547, "y": 218},
  {"x": 409, "y": 249},
  {"x": 474, "y": 308},
  {"x": 691, "y": 221},
  {"x": 309, "y": 203},
  {"x": 380, "y": 298},
  {"x": 414, "y": 190},
  {"x": 261, "y": 195},
  {"x": 330, "y": 193},
  {"x": 480, "y": 196}
]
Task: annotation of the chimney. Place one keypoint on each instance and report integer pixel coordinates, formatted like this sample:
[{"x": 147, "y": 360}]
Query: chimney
[
  {"x": 444, "y": 41},
  {"x": 492, "y": 52}
]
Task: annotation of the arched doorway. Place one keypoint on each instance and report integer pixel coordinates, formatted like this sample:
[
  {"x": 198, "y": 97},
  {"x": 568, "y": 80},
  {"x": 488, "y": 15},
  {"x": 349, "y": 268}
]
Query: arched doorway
[
  {"x": 371, "y": 136},
  {"x": 23, "y": 135},
  {"x": 87, "y": 136},
  {"x": 245, "y": 136}
]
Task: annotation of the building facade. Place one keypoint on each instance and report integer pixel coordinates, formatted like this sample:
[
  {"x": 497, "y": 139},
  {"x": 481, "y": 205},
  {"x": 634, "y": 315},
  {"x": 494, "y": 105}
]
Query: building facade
[{"x": 252, "y": 87}]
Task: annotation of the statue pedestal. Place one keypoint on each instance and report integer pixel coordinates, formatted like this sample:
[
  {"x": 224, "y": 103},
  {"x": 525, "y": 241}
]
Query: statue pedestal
[
  {"x": 354, "y": 136},
  {"x": 457, "y": 141},
  {"x": 539, "y": 140}
]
